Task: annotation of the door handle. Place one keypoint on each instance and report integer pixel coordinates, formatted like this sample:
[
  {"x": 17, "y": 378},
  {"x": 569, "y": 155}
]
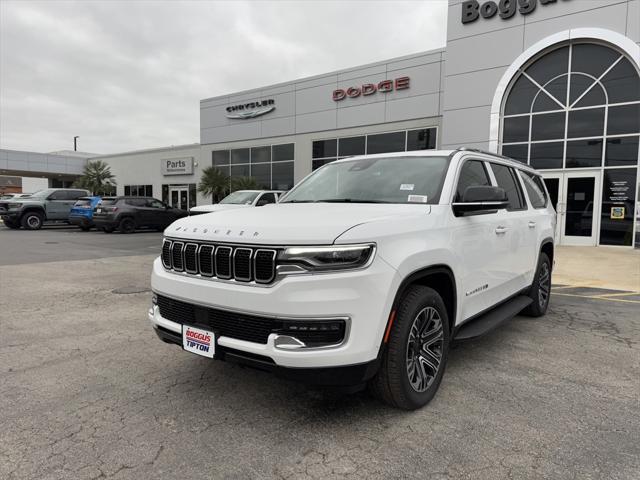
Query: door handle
[
  {"x": 501, "y": 230},
  {"x": 532, "y": 224}
]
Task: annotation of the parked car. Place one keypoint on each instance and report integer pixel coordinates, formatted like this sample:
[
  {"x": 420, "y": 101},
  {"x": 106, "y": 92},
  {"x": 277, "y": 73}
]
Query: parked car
[
  {"x": 240, "y": 199},
  {"x": 130, "y": 213},
  {"x": 82, "y": 212},
  {"x": 48, "y": 205},
  {"x": 364, "y": 273}
]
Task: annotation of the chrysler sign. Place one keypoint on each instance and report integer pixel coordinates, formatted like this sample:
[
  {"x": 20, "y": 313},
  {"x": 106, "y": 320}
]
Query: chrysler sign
[
  {"x": 177, "y": 166},
  {"x": 251, "y": 109},
  {"x": 366, "y": 89}
]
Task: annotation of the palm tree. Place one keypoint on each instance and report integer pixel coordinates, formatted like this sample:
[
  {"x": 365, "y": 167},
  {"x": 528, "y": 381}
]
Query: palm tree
[
  {"x": 97, "y": 178},
  {"x": 244, "y": 183},
  {"x": 215, "y": 183}
]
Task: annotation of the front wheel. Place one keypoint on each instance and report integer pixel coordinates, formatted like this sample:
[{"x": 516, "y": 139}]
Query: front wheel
[
  {"x": 417, "y": 350},
  {"x": 540, "y": 291},
  {"x": 32, "y": 221}
]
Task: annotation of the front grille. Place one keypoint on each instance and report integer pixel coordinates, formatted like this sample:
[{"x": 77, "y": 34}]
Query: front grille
[
  {"x": 252, "y": 328},
  {"x": 241, "y": 263}
]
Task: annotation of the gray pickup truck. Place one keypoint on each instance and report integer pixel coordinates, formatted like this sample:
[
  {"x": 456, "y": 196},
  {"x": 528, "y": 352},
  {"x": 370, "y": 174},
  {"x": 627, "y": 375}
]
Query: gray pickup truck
[{"x": 49, "y": 205}]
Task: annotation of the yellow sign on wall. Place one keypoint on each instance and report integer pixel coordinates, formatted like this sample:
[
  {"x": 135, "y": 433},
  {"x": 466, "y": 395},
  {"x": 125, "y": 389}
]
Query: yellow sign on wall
[{"x": 617, "y": 213}]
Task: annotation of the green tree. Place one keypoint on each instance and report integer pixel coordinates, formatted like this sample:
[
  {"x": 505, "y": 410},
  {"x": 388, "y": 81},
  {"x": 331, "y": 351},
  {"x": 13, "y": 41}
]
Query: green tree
[
  {"x": 244, "y": 183},
  {"x": 215, "y": 183},
  {"x": 97, "y": 178}
]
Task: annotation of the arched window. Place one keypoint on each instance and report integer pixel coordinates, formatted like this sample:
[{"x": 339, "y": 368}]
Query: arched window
[{"x": 576, "y": 105}]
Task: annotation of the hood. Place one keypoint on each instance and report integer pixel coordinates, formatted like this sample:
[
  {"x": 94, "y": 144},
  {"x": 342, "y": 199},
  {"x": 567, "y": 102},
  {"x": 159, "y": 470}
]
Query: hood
[
  {"x": 216, "y": 207},
  {"x": 288, "y": 223}
]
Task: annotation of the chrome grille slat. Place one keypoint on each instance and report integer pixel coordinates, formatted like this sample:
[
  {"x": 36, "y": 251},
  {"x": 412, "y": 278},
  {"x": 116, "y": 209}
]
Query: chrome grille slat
[
  {"x": 177, "y": 259},
  {"x": 241, "y": 263},
  {"x": 223, "y": 262},
  {"x": 190, "y": 258}
]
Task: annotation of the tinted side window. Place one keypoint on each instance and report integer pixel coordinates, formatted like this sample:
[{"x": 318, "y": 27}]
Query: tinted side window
[
  {"x": 136, "y": 202},
  {"x": 153, "y": 203},
  {"x": 535, "y": 189},
  {"x": 506, "y": 178},
  {"x": 76, "y": 194},
  {"x": 266, "y": 198},
  {"x": 473, "y": 174}
]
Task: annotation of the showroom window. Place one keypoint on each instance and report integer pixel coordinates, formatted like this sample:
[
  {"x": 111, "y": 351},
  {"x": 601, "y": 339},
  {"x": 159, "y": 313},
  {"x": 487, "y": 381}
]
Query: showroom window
[
  {"x": 325, "y": 151},
  {"x": 138, "y": 190},
  {"x": 577, "y": 106},
  {"x": 271, "y": 166}
]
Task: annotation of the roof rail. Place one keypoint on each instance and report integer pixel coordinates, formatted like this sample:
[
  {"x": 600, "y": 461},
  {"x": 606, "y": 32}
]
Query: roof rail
[{"x": 477, "y": 150}]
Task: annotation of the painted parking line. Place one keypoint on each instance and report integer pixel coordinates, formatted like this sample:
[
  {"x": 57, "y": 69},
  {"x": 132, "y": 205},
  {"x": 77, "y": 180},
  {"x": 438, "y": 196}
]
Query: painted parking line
[
  {"x": 621, "y": 294},
  {"x": 596, "y": 297}
]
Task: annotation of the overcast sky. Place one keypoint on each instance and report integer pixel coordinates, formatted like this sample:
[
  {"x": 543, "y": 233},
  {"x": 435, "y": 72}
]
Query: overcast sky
[{"x": 127, "y": 75}]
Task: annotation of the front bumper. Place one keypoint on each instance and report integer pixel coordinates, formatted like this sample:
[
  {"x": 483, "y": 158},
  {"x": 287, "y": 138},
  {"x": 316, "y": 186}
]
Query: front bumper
[{"x": 364, "y": 296}]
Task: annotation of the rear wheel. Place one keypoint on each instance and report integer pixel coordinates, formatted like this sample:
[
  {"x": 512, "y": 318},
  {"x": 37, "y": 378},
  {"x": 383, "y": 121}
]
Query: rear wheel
[
  {"x": 127, "y": 225},
  {"x": 12, "y": 225},
  {"x": 414, "y": 361},
  {"x": 32, "y": 220},
  {"x": 540, "y": 291}
]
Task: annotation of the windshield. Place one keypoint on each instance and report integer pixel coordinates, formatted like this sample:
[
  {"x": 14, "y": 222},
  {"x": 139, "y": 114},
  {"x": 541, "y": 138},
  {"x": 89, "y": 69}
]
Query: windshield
[
  {"x": 40, "y": 194},
  {"x": 374, "y": 180},
  {"x": 240, "y": 198}
]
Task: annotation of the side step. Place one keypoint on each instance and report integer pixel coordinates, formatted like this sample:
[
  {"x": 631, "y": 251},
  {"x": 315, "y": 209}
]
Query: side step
[{"x": 492, "y": 319}]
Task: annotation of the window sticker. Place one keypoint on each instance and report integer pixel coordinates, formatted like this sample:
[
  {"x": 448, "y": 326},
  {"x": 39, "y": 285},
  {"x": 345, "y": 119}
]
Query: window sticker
[
  {"x": 407, "y": 186},
  {"x": 417, "y": 198}
]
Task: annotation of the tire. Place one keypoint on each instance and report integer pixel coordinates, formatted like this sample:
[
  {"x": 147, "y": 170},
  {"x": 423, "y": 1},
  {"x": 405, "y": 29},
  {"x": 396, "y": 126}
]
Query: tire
[
  {"x": 12, "y": 225},
  {"x": 127, "y": 225},
  {"x": 107, "y": 229},
  {"x": 540, "y": 291},
  {"x": 32, "y": 220},
  {"x": 406, "y": 379},
  {"x": 85, "y": 228}
]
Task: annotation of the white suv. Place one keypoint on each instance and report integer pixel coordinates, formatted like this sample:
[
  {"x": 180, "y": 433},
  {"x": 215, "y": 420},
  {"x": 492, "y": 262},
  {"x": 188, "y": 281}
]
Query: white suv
[{"x": 364, "y": 273}]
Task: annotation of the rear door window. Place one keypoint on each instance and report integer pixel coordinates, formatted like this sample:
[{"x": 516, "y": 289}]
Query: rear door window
[
  {"x": 136, "y": 202},
  {"x": 472, "y": 174},
  {"x": 83, "y": 202},
  {"x": 535, "y": 189},
  {"x": 507, "y": 179}
]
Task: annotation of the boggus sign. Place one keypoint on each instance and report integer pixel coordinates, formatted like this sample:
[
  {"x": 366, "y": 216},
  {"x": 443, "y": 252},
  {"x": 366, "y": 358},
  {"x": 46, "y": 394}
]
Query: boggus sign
[
  {"x": 177, "y": 166},
  {"x": 472, "y": 9}
]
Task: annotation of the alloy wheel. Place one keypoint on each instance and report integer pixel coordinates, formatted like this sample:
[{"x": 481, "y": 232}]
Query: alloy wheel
[
  {"x": 544, "y": 284},
  {"x": 33, "y": 221},
  {"x": 424, "y": 349}
]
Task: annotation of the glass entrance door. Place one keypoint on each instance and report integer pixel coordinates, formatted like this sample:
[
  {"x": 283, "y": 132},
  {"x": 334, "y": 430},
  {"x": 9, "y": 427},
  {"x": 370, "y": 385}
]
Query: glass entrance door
[
  {"x": 179, "y": 197},
  {"x": 576, "y": 198}
]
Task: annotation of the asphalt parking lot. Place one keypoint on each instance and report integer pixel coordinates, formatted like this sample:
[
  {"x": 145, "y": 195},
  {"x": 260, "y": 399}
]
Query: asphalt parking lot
[{"x": 88, "y": 391}]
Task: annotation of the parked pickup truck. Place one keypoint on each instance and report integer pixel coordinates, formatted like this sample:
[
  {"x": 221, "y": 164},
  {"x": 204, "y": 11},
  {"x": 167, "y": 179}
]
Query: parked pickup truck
[
  {"x": 49, "y": 205},
  {"x": 364, "y": 273}
]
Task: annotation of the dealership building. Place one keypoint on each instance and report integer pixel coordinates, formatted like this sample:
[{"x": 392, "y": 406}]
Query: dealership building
[{"x": 552, "y": 83}]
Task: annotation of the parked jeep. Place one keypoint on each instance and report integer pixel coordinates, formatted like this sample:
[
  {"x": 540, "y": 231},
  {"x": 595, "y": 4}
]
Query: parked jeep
[
  {"x": 365, "y": 272},
  {"x": 48, "y": 205}
]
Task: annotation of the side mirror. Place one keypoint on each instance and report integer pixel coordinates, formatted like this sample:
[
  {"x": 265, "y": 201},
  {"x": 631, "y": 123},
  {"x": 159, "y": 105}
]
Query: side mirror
[{"x": 480, "y": 199}]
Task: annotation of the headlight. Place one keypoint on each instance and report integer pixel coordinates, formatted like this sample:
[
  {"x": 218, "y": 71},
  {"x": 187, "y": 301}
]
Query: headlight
[{"x": 318, "y": 259}]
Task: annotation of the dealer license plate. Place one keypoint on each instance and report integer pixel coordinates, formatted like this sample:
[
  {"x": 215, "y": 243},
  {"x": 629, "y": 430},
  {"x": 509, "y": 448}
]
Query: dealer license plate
[
  {"x": 98, "y": 210},
  {"x": 198, "y": 341}
]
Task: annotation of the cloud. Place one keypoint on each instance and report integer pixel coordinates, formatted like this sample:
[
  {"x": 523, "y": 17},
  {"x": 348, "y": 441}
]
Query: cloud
[{"x": 126, "y": 75}]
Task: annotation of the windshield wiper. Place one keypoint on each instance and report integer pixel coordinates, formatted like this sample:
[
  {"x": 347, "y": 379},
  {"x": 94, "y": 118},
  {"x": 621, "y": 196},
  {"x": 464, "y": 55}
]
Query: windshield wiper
[
  {"x": 298, "y": 201},
  {"x": 349, "y": 200}
]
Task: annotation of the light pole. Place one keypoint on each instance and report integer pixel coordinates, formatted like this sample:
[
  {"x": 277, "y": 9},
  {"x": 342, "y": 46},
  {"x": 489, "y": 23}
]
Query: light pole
[{"x": 75, "y": 143}]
